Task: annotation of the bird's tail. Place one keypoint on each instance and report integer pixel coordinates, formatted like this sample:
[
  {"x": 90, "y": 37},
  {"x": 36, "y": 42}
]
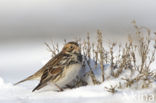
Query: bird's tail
[{"x": 28, "y": 78}]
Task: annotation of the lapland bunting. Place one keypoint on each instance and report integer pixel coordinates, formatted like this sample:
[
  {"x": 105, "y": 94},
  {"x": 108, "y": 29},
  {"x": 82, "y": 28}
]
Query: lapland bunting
[{"x": 60, "y": 70}]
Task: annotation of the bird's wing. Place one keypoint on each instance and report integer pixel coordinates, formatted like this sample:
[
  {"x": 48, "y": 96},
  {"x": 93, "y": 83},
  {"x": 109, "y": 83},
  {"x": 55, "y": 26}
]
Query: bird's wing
[
  {"x": 40, "y": 72},
  {"x": 48, "y": 74},
  {"x": 53, "y": 70}
]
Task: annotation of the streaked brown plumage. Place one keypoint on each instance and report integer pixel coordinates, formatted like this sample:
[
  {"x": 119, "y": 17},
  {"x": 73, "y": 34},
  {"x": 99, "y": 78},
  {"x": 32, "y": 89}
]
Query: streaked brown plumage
[
  {"x": 59, "y": 70},
  {"x": 38, "y": 74}
]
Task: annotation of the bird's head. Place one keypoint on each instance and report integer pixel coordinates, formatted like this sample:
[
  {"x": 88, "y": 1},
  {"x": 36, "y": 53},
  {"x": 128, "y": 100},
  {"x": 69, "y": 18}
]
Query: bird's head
[{"x": 71, "y": 48}]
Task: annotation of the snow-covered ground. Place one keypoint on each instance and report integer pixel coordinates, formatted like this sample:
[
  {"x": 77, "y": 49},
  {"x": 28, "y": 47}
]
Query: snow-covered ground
[{"x": 88, "y": 94}]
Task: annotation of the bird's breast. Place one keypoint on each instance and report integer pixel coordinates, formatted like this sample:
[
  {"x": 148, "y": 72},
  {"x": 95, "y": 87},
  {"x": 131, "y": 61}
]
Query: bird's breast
[{"x": 69, "y": 74}]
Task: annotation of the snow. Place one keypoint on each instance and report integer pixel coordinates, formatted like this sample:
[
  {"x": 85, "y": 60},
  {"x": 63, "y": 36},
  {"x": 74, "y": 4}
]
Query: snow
[{"x": 86, "y": 94}]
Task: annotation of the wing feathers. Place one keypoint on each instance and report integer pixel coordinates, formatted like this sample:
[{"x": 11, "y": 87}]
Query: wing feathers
[
  {"x": 47, "y": 76},
  {"x": 53, "y": 70}
]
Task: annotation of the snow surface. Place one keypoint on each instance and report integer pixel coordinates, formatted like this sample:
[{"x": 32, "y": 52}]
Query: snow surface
[{"x": 88, "y": 94}]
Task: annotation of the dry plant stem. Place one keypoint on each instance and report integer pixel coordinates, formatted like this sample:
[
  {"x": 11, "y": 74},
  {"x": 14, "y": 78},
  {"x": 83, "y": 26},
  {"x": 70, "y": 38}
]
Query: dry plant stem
[
  {"x": 89, "y": 59},
  {"x": 95, "y": 56},
  {"x": 112, "y": 59},
  {"x": 122, "y": 64},
  {"x": 57, "y": 48},
  {"x": 92, "y": 75},
  {"x": 106, "y": 57},
  {"x": 143, "y": 45},
  {"x": 53, "y": 51},
  {"x": 101, "y": 52},
  {"x": 134, "y": 60},
  {"x": 152, "y": 58},
  {"x": 49, "y": 48},
  {"x": 111, "y": 89}
]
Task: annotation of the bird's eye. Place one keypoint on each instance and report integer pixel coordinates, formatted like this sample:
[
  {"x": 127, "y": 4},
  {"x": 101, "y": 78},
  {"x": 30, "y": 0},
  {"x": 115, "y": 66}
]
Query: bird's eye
[{"x": 71, "y": 47}]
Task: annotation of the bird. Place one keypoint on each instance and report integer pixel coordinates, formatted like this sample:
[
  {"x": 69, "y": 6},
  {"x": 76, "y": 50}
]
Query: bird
[{"x": 60, "y": 70}]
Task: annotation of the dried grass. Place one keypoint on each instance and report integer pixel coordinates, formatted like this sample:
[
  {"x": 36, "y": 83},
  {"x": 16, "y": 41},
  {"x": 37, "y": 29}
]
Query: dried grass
[{"x": 126, "y": 59}]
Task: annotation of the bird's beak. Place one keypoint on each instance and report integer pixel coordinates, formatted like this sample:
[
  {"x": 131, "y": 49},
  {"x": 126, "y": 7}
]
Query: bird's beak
[{"x": 77, "y": 50}]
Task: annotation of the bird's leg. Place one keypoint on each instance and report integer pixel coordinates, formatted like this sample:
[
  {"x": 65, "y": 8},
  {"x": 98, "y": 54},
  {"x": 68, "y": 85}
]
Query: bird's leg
[{"x": 60, "y": 89}]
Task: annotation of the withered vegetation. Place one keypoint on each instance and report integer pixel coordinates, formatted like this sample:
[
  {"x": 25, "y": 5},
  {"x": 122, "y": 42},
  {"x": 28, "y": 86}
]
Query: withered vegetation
[{"x": 135, "y": 56}]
